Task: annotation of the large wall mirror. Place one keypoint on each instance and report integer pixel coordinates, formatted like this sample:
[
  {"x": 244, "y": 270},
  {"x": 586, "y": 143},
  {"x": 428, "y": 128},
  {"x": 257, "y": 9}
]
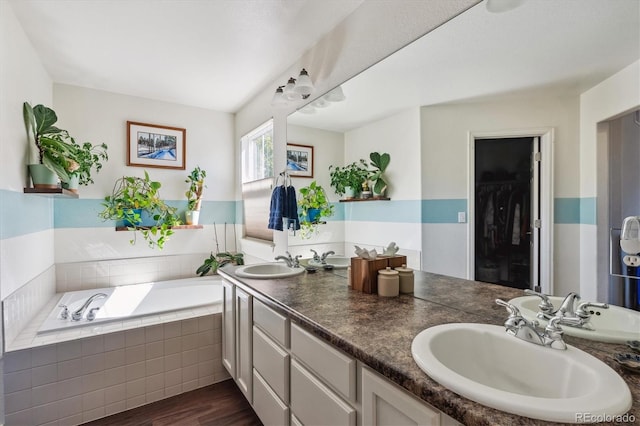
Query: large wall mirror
[{"x": 484, "y": 119}]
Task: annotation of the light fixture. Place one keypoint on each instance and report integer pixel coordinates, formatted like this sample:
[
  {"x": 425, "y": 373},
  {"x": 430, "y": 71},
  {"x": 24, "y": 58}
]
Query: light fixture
[
  {"x": 336, "y": 95},
  {"x": 294, "y": 90}
]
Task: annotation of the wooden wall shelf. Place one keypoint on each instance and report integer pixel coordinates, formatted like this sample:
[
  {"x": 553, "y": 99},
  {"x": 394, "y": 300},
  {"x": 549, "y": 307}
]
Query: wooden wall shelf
[
  {"x": 351, "y": 200},
  {"x": 51, "y": 192},
  {"x": 126, "y": 228}
]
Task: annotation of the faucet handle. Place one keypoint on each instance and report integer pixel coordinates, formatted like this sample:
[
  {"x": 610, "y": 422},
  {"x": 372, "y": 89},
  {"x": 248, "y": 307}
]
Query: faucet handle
[
  {"x": 316, "y": 256},
  {"x": 512, "y": 309},
  {"x": 545, "y": 305},
  {"x": 92, "y": 314},
  {"x": 582, "y": 308},
  {"x": 64, "y": 314},
  {"x": 296, "y": 261}
]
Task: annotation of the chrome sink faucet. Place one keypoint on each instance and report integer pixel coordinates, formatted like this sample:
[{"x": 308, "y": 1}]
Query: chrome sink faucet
[
  {"x": 316, "y": 256},
  {"x": 569, "y": 315},
  {"x": 77, "y": 315},
  {"x": 292, "y": 262},
  {"x": 516, "y": 325},
  {"x": 323, "y": 258}
]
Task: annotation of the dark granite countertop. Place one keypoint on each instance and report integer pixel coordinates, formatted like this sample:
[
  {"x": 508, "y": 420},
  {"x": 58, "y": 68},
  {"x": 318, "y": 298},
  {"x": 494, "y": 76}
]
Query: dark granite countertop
[{"x": 378, "y": 331}]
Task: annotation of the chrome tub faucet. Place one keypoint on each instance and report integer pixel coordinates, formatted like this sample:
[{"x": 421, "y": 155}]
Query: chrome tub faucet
[{"x": 77, "y": 315}]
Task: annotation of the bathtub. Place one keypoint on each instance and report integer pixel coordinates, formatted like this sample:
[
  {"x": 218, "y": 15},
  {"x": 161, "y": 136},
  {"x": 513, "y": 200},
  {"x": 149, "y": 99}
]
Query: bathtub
[{"x": 135, "y": 300}]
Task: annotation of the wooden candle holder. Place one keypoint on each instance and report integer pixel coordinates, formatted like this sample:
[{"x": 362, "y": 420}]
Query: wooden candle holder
[{"x": 364, "y": 272}]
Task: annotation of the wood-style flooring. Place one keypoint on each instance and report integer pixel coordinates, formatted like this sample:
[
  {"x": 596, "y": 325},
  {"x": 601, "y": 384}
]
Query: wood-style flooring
[{"x": 218, "y": 404}]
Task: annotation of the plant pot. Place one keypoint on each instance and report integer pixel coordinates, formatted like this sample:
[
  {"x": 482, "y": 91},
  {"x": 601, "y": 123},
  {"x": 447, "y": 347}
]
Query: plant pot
[
  {"x": 72, "y": 184},
  {"x": 42, "y": 177},
  {"x": 314, "y": 215},
  {"x": 132, "y": 224},
  {"x": 192, "y": 217},
  {"x": 349, "y": 192}
]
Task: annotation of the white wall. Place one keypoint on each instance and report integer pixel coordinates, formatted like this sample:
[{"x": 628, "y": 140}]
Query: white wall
[
  {"x": 99, "y": 116},
  {"x": 26, "y": 247},
  {"x": 612, "y": 97},
  {"x": 445, "y": 165}
]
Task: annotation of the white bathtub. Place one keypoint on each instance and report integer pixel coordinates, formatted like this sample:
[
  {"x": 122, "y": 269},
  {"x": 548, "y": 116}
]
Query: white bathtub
[{"x": 136, "y": 300}]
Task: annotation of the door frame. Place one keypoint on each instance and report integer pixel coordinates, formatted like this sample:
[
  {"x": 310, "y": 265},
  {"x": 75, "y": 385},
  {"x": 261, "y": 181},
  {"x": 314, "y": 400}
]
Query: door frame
[{"x": 547, "y": 139}]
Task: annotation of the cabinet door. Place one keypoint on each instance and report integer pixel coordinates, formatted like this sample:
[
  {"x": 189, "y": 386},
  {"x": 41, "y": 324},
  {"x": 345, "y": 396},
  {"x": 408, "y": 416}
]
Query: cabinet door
[
  {"x": 384, "y": 403},
  {"x": 229, "y": 328},
  {"x": 244, "y": 356}
]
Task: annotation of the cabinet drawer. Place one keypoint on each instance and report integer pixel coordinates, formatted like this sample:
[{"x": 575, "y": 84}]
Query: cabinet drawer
[
  {"x": 313, "y": 403},
  {"x": 266, "y": 403},
  {"x": 337, "y": 369},
  {"x": 271, "y": 323},
  {"x": 272, "y": 362}
]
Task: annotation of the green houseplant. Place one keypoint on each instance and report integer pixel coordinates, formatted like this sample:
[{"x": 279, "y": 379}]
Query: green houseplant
[
  {"x": 57, "y": 152},
  {"x": 314, "y": 205},
  {"x": 380, "y": 163},
  {"x": 218, "y": 260},
  {"x": 131, "y": 196},
  {"x": 348, "y": 180},
  {"x": 195, "y": 179}
]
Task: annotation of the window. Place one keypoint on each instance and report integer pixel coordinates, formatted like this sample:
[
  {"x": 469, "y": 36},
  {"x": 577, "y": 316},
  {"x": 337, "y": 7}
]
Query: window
[
  {"x": 257, "y": 181},
  {"x": 257, "y": 153}
]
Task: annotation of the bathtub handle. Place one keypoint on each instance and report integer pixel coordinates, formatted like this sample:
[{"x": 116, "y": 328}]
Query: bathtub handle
[
  {"x": 64, "y": 314},
  {"x": 92, "y": 314}
]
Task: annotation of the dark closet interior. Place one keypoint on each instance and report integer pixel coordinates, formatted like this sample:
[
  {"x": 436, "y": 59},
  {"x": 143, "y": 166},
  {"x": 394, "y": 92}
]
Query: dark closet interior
[{"x": 503, "y": 211}]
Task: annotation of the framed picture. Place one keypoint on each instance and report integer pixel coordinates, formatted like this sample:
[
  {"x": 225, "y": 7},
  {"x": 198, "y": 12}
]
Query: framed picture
[
  {"x": 151, "y": 145},
  {"x": 300, "y": 160}
]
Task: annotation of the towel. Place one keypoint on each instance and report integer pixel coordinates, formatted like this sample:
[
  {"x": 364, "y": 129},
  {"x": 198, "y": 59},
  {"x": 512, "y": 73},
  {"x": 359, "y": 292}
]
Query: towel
[
  {"x": 291, "y": 206},
  {"x": 276, "y": 209}
]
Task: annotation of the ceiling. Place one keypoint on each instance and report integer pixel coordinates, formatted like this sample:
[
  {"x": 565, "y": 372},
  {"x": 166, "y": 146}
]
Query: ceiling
[
  {"x": 562, "y": 47},
  {"x": 213, "y": 54}
]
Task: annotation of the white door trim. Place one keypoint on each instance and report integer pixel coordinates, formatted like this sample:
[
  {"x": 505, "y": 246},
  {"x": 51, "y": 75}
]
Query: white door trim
[{"x": 547, "y": 142}]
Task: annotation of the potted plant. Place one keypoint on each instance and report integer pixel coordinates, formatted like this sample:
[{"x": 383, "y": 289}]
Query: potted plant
[
  {"x": 348, "y": 180},
  {"x": 380, "y": 163},
  {"x": 314, "y": 205},
  {"x": 194, "y": 195},
  {"x": 86, "y": 157},
  {"x": 59, "y": 156},
  {"x": 218, "y": 260},
  {"x": 133, "y": 196}
]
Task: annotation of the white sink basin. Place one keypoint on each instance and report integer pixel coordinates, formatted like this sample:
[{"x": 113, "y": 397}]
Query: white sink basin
[
  {"x": 268, "y": 270},
  {"x": 483, "y": 363},
  {"x": 338, "y": 262},
  {"x": 613, "y": 325}
]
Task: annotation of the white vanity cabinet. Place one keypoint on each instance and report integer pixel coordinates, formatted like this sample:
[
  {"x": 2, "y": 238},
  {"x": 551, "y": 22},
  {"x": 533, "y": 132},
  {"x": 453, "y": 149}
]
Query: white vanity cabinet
[
  {"x": 385, "y": 403},
  {"x": 237, "y": 322},
  {"x": 323, "y": 382},
  {"x": 271, "y": 365}
]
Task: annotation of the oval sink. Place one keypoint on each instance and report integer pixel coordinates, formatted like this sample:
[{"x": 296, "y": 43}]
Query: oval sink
[
  {"x": 268, "y": 270},
  {"x": 338, "y": 262},
  {"x": 613, "y": 325},
  {"x": 483, "y": 363}
]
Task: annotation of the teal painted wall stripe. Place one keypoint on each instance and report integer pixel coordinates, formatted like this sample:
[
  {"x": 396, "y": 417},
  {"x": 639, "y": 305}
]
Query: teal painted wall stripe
[
  {"x": 588, "y": 211},
  {"x": 22, "y": 214},
  {"x": 404, "y": 211},
  {"x": 443, "y": 211},
  {"x": 83, "y": 213}
]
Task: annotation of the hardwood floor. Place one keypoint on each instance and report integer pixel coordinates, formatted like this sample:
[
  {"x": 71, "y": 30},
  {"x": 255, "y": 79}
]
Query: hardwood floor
[{"x": 218, "y": 404}]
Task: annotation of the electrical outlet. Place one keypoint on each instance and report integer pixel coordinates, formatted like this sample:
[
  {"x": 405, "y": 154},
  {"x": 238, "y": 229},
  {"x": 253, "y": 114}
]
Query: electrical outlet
[
  {"x": 631, "y": 260},
  {"x": 462, "y": 217}
]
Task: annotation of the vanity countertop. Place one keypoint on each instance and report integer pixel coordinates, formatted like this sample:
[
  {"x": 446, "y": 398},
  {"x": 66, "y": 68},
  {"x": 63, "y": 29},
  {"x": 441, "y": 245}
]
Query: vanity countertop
[{"x": 378, "y": 331}]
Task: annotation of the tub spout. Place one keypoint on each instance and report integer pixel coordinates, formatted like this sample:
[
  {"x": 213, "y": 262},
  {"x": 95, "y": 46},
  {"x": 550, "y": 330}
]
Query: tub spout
[{"x": 77, "y": 315}]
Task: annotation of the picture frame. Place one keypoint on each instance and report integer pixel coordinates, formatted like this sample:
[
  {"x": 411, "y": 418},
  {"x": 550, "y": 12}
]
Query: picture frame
[
  {"x": 153, "y": 145},
  {"x": 300, "y": 160}
]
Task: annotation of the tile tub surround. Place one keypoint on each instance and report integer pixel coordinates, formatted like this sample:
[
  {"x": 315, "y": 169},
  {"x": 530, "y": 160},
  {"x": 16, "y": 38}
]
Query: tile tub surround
[
  {"x": 81, "y": 380},
  {"x": 379, "y": 331}
]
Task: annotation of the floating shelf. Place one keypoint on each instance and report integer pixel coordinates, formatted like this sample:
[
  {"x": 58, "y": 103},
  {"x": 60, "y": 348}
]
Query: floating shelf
[
  {"x": 351, "y": 200},
  {"x": 51, "y": 192},
  {"x": 126, "y": 228}
]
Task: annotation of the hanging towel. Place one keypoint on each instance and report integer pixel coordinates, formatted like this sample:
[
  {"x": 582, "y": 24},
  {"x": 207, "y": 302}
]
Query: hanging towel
[
  {"x": 290, "y": 210},
  {"x": 276, "y": 210}
]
